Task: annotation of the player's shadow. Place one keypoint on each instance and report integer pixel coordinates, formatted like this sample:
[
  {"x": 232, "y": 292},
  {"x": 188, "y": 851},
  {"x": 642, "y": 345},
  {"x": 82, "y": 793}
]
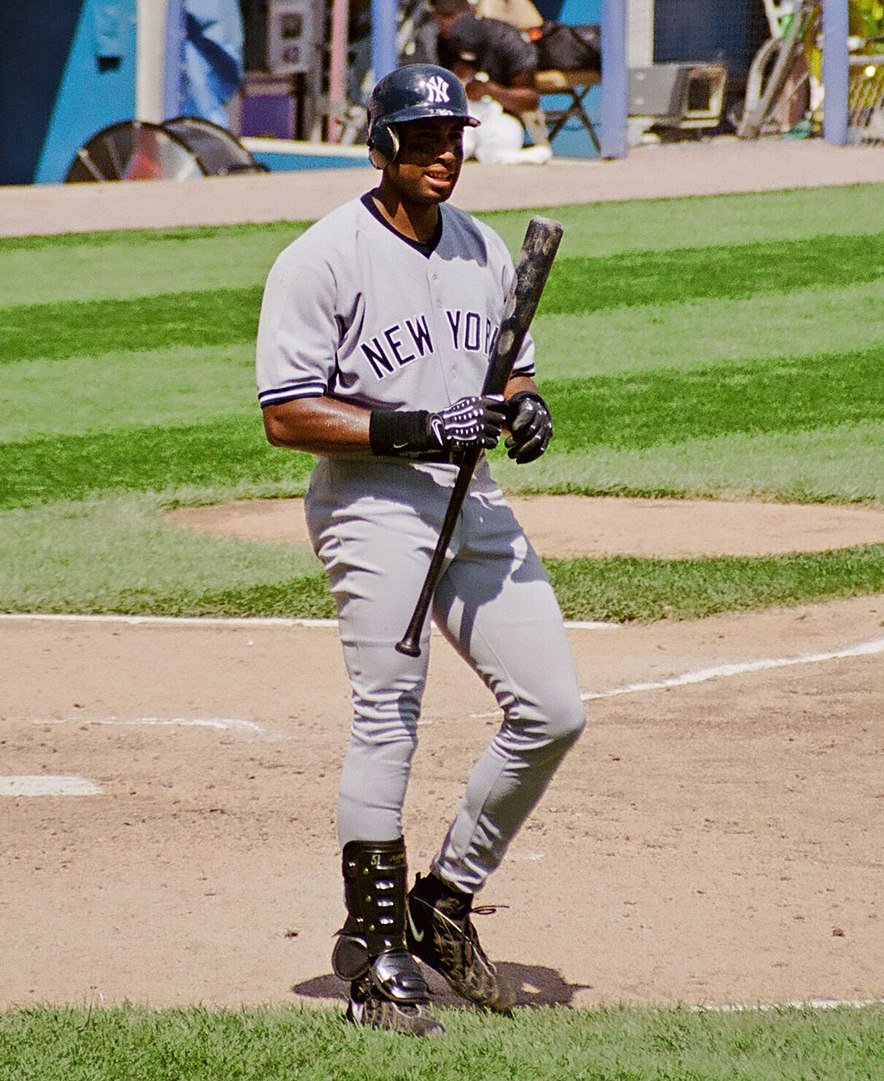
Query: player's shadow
[{"x": 535, "y": 985}]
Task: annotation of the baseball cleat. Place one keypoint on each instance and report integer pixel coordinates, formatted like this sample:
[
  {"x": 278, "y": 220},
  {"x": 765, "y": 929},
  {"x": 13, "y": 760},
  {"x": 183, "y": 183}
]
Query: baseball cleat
[
  {"x": 441, "y": 934},
  {"x": 371, "y": 1009}
]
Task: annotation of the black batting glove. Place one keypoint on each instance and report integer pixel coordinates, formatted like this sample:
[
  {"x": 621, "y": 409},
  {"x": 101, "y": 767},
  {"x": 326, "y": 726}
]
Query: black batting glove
[
  {"x": 469, "y": 423},
  {"x": 415, "y": 433},
  {"x": 530, "y": 423}
]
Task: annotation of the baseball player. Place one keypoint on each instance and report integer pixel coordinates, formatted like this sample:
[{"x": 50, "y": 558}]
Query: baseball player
[{"x": 374, "y": 339}]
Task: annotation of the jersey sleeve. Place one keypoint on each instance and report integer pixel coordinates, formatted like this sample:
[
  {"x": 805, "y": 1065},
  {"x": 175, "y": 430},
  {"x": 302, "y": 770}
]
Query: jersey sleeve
[{"x": 297, "y": 331}]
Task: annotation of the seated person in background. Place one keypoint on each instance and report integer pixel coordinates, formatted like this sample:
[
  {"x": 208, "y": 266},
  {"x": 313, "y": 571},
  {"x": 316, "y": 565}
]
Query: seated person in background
[{"x": 497, "y": 65}]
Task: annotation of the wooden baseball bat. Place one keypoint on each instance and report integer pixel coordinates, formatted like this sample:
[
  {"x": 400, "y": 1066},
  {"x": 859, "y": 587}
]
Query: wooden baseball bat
[{"x": 535, "y": 261}]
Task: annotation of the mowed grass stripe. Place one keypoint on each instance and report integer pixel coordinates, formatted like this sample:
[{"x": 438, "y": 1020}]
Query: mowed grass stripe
[
  {"x": 142, "y": 264},
  {"x": 600, "y": 228},
  {"x": 701, "y": 333},
  {"x": 671, "y": 407},
  {"x": 135, "y": 239},
  {"x": 39, "y": 398},
  {"x": 180, "y": 384},
  {"x": 619, "y": 412},
  {"x": 92, "y": 328},
  {"x": 225, "y": 452},
  {"x": 577, "y": 286},
  {"x": 839, "y": 464}
]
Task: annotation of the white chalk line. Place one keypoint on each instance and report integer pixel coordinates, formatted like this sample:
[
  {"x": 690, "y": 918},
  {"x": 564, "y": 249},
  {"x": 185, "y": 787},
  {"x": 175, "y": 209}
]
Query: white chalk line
[
  {"x": 218, "y": 723},
  {"x": 167, "y": 621},
  {"x": 81, "y": 786},
  {"x": 48, "y": 784},
  {"x": 69, "y": 785},
  {"x": 702, "y": 675},
  {"x": 794, "y": 1004},
  {"x": 224, "y": 621},
  {"x": 725, "y": 671}
]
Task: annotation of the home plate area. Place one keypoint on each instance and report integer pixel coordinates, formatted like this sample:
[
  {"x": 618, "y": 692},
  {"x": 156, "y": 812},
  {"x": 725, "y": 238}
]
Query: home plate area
[{"x": 169, "y": 797}]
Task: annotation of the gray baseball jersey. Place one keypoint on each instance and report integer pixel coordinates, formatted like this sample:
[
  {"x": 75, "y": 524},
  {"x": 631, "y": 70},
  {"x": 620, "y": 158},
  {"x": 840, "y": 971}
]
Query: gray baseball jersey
[{"x": 354, "y": 310}]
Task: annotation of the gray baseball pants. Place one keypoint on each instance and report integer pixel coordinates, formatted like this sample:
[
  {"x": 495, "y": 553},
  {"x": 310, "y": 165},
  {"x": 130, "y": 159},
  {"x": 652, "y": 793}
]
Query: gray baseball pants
[{"x": 374, "y": 525}]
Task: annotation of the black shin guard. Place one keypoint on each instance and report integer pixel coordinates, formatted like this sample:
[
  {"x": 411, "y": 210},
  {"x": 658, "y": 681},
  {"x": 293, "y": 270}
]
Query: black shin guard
[{"x": 372, "y": 940}]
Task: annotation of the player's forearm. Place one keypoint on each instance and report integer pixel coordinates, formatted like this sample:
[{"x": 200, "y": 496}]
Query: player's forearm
[
  {"x": 319, "y": 426},
  {"x": 330, "y": 427},
  {"x": 516, "y": 100},
  {"x": 518, "y": 384}
]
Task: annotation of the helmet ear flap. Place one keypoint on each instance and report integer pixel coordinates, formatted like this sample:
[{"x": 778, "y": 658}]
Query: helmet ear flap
[{"x": 383, "y": 146}]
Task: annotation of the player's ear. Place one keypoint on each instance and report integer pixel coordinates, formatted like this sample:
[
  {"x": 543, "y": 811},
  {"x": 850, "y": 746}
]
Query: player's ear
[{"x": 383, "y": 145}]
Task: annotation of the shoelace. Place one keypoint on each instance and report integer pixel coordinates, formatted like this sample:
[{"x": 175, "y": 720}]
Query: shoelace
[{"x": 485, "y": 910}]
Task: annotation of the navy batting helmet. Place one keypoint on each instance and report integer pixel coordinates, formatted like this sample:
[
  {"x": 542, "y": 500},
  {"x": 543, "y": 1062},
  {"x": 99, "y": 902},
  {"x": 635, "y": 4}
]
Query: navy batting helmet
[{"x": 413, "y": 92}]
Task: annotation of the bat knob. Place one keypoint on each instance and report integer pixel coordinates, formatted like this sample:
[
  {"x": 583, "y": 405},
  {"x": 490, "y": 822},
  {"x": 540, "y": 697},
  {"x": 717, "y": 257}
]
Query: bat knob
[{"x": 410, "y": 647}]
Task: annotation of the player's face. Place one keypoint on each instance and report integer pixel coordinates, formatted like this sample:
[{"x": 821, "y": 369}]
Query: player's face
[{"x": 429, "y": 159}]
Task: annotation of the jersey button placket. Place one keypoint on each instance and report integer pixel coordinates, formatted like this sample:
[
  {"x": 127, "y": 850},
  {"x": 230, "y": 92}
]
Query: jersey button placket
[{"x": 436, "y": 306}]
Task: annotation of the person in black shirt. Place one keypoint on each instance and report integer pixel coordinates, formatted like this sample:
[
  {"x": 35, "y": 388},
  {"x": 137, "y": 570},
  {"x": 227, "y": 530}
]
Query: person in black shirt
[{"x": 497, "y": 65}]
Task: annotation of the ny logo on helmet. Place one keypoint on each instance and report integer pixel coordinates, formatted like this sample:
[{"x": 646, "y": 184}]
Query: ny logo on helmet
[{"x": 437, "y": 89}]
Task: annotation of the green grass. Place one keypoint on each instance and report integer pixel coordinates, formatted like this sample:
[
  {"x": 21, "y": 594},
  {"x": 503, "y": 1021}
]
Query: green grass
[
  {"x": 164, "y": 321},
  {"x": 118, "y": 554},
  {"x": 692, "y": 334},
  {"x": 728, "y": 347},
  {"x": 102, "y": 266},
  {"x": 99, "y": 266},
  {"x": 214, "y": 381},
  {"x": 674, "y": 407},
  {"x": 618, "y": 412},
  {"x": 825, "y": 465},
  {"x": 126, "y": 389},
  {"x": 226, "y": 451},
  {"x": 646, "y": 589},
  {"x": 549, "y": 1044},
  {"x": 669, "y": 224},
  {"x": 577, "y": 286},
  {"x": 612, "y": 589}
]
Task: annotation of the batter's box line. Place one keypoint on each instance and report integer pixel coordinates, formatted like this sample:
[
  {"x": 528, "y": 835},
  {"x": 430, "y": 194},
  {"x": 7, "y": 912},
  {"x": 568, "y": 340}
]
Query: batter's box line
[
  {"x": 227, "y": 621},
  {"x": 725, "y": 671},
  {"x": 249, "y": 729},
  {"x": 221, "y": 723}
]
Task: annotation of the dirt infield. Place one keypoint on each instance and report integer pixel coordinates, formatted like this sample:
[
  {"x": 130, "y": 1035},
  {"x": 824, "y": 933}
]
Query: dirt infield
[{"x": 714, "y": 837}]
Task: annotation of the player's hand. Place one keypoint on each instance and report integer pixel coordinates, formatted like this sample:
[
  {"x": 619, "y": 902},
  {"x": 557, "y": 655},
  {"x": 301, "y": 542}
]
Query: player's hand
[
  {"x": 530, "y": 423},
  {"x": 470, "y": 422}
]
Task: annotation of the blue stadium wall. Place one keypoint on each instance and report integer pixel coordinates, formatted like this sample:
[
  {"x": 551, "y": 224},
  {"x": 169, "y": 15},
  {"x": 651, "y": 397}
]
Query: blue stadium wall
[
  {"x": 67, "y": 69},
  {"x": 728, "y": 31}
]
